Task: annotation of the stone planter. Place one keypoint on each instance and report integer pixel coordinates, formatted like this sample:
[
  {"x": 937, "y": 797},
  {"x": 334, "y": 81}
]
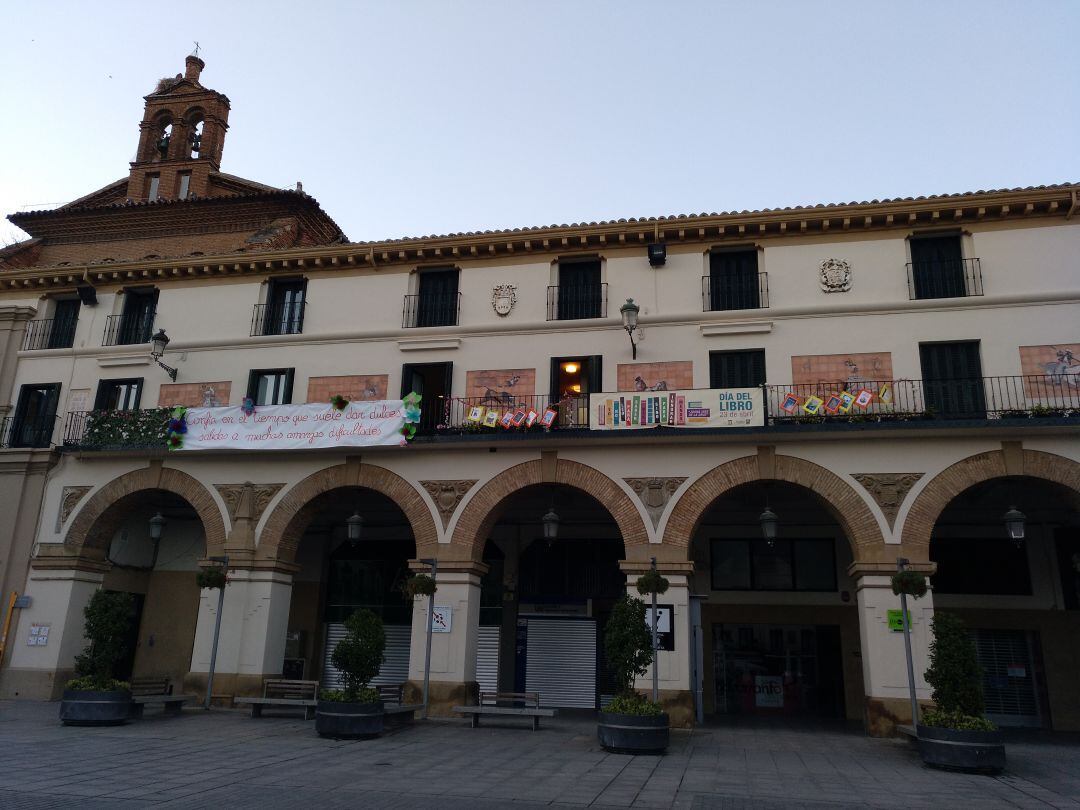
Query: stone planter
[
  {"x": 336, "y": 719},
  {"x": 91, "y": 708},
  {"x": 633, "y": 733},
  {"x": 971, "y": 751}
]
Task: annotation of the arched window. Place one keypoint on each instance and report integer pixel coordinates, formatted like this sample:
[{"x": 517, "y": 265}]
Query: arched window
[{"x": 163, "y": 132}]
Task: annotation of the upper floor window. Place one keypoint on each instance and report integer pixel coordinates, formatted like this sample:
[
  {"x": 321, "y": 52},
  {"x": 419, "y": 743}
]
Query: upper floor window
[
  {"x": 734, "y": 281},
  {"x": 271, "y": 386},
  {"x": 57, "y": 331},
  {"x": 34, "y": 419},
  {"x": 938, "y": 268},
  {"x": 952, "y": 379},
  {"x": 742, "y": 369},
  {"x": 135, "y": 323},
  {"x": 119, "y": 395},
  {"x": 283, "y": 312},
  {"x": 153, "y": 186},
  {"x": 579, "y": 293},
  {"x": 786, "y": 565},
  {"x": 183, "y": 185},
  {"x": 436, "y": 301}
]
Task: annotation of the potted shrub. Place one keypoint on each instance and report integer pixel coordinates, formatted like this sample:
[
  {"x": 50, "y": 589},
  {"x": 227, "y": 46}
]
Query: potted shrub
[
  {"x": 94, "y": 697},
  {"x": 955, "y": 734},
  {"x": 631, "y": 723},
  {"x": 356, "y": 710}
]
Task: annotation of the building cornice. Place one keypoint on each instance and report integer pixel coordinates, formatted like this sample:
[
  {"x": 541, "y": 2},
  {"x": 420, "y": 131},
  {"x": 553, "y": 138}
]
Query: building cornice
[{"x": 1015, "y": 206}]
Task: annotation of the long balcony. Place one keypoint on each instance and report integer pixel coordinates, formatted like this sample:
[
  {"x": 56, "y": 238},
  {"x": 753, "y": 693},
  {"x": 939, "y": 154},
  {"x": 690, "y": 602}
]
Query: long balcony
[
  {"x": 51, "y": 333},
  {"x": 1010, "y": 400}
]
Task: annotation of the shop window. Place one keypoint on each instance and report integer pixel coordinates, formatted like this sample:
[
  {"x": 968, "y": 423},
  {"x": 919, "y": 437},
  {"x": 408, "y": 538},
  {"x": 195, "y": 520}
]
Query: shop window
[
  {"x": 270, "y": 386},
  {"x": 978, "y": 565},
  {"x": 742, "y": 369},
  {"x": 119, "y": 395},
  {"x": 787, "y": 565}
]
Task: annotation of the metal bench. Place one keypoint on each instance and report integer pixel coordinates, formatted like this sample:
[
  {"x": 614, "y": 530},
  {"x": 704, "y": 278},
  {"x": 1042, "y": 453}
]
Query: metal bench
[
  {"x": 156, "y": 691},
  {"x": 393, "y": 708},
  {"x": 282, "y": 693},
  {"x": 507, "y": 704}
]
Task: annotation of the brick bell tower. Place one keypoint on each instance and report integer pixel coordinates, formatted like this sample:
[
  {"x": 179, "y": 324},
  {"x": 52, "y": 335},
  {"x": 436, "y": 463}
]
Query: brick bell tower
[{"x": 181, "y": 137}]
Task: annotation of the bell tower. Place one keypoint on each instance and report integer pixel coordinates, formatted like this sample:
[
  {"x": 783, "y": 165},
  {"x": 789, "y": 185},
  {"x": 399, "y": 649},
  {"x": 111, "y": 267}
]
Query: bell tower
[{"x": 181, "y": 137}]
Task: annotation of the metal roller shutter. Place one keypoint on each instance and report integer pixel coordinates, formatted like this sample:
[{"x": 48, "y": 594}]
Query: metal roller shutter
[
  {"x": 395, "y": 668},
  {"x": 561, "y": 662},
  {"x": 1008, "y": 677},
  {"x": 487, "y": 659}
]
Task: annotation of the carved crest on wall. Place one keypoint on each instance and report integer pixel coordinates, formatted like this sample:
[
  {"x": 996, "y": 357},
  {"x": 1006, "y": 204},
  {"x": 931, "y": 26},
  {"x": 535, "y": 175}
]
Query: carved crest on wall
[
  {"x": 447, "y": 495},
  {"x": 261, "y": 495},
  {"x": 888, "y": 489},
  {"x": 69, "y": 499},
  {"x": 655, "y": 494},
  {"x": 503, "y": 298},
  {"x": 835, "y": 275}
]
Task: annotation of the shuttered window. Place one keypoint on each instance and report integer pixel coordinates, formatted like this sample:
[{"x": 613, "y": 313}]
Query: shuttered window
[
  {"x": 743, "y": 369},
  {"x": 952, "y": 378}
]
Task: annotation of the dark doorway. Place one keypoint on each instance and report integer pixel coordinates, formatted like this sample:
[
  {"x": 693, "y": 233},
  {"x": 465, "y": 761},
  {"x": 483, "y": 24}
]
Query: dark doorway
[
  {"x": 126, "y": 665},
  {"x": 433, "y": 382},
  {"x": 937, "y": 266},
  {"x": 952, "y": 379}
]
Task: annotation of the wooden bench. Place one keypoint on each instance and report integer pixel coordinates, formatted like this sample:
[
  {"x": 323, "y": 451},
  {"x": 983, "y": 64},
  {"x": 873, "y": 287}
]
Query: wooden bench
[
  {"x": 507, "y": 704},
  {"x": 393, "y": 708},
  {"x": 157, "y": 691},
  {"x": 282, "y": 693}
]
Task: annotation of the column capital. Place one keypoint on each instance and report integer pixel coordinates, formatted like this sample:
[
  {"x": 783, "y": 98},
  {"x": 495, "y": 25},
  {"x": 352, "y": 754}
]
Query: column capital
[
  {"x": 477, "y": 569},
  {"x": 58, "y": 557},
  {"x": 859, "y": 569},
  {"x": 639, "y": 567}
]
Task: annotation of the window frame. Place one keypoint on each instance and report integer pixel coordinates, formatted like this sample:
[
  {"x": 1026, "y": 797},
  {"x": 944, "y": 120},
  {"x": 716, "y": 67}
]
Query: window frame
[
  {"x": 750, "y": 542},
  {"x": 287, "y": 384},
  {"x": 713, "y": 371},
  {"x": 106, "y": 384}
]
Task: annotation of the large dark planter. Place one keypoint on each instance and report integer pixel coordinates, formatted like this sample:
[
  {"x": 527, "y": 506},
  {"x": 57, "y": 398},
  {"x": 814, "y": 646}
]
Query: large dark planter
[
  {"x": 90, "y": 708},
  {"x": 334, "y": 719},
  {"x": 633, "y": 733},
  {"x": 972, "y": 751}
]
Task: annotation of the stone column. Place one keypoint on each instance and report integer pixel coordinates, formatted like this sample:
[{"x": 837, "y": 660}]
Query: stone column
[
  {"x": 888, "y": 703},
  {"x": 254, "y": 621},
  {"x": 674, "y": 665},
  {"x": 59, "y": 587},
  {"x": 453, "y": 654}
]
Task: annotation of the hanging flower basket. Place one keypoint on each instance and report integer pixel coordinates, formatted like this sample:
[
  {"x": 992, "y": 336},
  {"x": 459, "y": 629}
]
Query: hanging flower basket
[
  {"x": 176, "y": 428},
  {"x": 339, "y": 402},
  {"x": 651, "y": 582},
  {"x": 212, "y": 578},
  {"x": 248, "y": 406},
  {"x": 911, "y": 583},
  {"x": 419, "y": 585}
]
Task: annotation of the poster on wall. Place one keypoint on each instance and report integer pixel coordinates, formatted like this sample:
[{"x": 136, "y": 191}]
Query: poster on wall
[
  {"x": 295, "y": 427},
  {"x": 682, "y": 408}
]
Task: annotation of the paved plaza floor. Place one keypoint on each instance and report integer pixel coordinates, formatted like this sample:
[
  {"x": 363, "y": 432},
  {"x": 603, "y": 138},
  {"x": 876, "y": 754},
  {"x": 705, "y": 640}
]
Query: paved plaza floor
[{"x": 226, "y": 759}]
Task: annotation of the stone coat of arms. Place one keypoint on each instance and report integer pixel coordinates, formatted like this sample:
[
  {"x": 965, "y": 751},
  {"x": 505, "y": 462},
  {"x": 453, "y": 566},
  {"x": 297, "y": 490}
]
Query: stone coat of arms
[
  {"x": 835, "y": 275},
  {"x": 503, "y": 298}
]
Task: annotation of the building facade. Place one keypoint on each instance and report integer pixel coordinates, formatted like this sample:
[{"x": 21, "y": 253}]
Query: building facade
[{"x": 886, "y": 378}]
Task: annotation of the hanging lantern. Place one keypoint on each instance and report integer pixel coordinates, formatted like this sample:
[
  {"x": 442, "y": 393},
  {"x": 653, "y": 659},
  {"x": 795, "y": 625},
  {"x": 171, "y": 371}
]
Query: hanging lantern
[
  {"x": 769, "y": 521},
  {"x": 157, "y": 525},
  {"x": 551, "y": 525},
  {"x": 1014, "y": 525},
  {"x": 355, "y": 527}
]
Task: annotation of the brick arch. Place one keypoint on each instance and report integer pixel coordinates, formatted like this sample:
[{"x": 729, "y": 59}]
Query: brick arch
[
  {"x": 966, "y": 473},
  {"x": 95, "y": 524},
  {"x": 839, "y": 498},
  {"x": 483, "y": 509},
  {"x": 286, "y": 524}
]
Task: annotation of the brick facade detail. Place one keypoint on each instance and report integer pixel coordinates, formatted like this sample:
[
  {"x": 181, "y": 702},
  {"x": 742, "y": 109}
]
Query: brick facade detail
[{"x": 193, "y": 395}]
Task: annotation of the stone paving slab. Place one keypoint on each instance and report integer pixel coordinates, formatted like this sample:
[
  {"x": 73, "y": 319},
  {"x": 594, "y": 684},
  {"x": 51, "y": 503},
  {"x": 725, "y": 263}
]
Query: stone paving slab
[{"x": 227, "y": 759}]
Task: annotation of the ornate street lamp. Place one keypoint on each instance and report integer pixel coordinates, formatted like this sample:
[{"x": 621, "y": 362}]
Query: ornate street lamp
[
  {"x": 354, "y": 526},
  {"x": 1014, "y": 525},
  {"x": 157, "y": 525},
  {"x": 551, "y": 525},
  {"x": 630, "y": 312},
  {"x": 769, "y": 521},
  {"x": 158, "y": 343}
]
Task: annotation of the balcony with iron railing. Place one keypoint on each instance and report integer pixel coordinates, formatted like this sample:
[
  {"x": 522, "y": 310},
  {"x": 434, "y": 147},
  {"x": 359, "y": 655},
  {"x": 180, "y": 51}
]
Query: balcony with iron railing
[
  {"x": 721, "y": 292},
  {"x": 278, "y": 319},
  {"x": 430, "y": 310},
  {"x": 574, "y": 302},
  {"x": 1013, "y": 400},
  {"x": 52, "y": 333},
  {"x": 126, "y": 330},
  {"x": 26, "y": 432},
  {"x": 945, "y": 278}
]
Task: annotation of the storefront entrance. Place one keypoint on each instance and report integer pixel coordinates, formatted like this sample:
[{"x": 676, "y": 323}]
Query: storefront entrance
[{"x": 776, "y": 669}]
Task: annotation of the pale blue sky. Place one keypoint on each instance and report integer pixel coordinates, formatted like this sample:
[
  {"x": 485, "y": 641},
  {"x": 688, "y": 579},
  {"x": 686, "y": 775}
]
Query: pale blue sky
[{"x": 411, "y": 118}]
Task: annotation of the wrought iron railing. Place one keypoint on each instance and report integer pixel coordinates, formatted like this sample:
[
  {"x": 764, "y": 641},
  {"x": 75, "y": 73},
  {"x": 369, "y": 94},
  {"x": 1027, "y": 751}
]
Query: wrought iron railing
[
  {"x": 573, "y": 302},
  {"x": 52, "y": 333},
  {"x": 278, "y": 319},
  {"x": 430, "y": 310},
  {"x": 124, "y": 330},
  {"x": 723, "y": 292},
  {"x": 19, "y": 431},
  {"x": 501, "y": 412},
  {"x": 116, "y": 430},
  {"x": 947, "y": 278}
]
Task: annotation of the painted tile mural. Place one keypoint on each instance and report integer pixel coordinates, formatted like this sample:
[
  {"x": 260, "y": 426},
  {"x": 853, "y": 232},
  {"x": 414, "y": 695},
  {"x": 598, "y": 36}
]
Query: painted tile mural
[
  {"x": 500, "y": 386},
  {"x": 852, "y": 371},
  {"x": 194, "y": 395},
  {"x": 361, "y": 387},
  {"x": 655, "y": 376},
  {"x": 1052, "y": 372}
]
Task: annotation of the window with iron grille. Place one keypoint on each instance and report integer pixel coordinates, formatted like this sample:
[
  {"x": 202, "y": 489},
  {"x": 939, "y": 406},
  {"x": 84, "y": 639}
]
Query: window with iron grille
[
  {"x": 734, "y": 281},
  {"x": 937, "y": 266},
  {"x": 580, "y": 293}
]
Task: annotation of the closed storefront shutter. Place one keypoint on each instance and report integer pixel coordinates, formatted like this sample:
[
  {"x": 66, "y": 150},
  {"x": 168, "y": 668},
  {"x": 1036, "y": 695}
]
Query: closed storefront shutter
[
  {"x": 1008, "y": 676},
  {"x": 395, "y": 668},
  {"x": 487, "y": 659},
  {"x": 561, "y": 662}
]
